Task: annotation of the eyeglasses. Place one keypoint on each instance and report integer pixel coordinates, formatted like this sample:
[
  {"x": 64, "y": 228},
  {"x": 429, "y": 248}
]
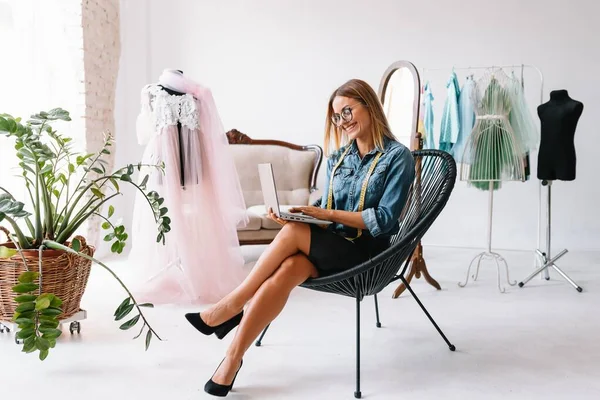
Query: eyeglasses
[{"x": 345, "y": 116}]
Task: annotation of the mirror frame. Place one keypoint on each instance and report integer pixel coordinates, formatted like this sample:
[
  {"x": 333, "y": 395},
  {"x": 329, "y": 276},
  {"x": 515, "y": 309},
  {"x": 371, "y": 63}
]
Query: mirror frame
[{"x": 416, "y": 140}]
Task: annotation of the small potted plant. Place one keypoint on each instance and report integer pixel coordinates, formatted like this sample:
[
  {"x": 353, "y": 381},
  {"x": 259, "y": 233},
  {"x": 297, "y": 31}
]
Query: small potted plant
[{"x": 44, "y": 267}]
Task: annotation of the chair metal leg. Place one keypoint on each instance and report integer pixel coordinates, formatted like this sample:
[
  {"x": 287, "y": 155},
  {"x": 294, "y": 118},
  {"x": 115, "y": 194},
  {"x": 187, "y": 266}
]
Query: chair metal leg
[
  {"x": 262, "y": 335},
  {"x": 377, "y": 312},
  {"x": 357, "y": 394},
  {"x": 450, "y": 345}
]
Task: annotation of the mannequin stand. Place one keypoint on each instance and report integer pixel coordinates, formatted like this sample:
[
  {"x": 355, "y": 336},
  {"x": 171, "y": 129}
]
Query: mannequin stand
[
  {"x": 418, "y": 267},
  {"x": 545, "y": 258},
  {"x": 489, "y": 253}
]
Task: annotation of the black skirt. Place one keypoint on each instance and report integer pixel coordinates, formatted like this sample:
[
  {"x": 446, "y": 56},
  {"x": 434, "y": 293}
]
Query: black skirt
[{"x": 331, "y": 253}]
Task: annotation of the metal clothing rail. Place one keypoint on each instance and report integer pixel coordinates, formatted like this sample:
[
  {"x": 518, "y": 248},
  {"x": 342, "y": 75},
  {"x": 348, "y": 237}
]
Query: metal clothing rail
[{"x": 543, "y": 260}]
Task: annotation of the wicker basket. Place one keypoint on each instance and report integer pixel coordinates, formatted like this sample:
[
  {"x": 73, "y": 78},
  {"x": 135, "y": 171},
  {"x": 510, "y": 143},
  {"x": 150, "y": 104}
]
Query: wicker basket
[{"x": 64, "y": 275}]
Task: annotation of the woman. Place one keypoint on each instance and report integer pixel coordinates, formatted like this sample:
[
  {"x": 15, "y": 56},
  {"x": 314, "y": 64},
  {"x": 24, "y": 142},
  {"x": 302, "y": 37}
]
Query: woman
[{"x": 368, "y": 181}]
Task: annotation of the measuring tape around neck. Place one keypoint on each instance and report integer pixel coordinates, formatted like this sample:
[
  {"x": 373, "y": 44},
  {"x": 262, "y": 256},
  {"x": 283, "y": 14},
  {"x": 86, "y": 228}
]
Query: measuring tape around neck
[{"x": 363, "y": 191}]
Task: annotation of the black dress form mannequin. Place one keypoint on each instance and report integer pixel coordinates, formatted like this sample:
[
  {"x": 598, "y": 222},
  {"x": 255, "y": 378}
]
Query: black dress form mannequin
[
  {"x": 181, "y": 155},
  {"x": 559, "y": 117}
]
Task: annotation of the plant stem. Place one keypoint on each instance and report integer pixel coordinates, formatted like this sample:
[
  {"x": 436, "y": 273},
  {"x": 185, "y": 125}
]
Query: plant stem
[
  {"x": 57, "y": 246},
  {"x": 38, "y": 217},
  {"x": 22, "y": 239},
  {"x": 69, "y": 230},
  {"x": 18, "y": 247}
]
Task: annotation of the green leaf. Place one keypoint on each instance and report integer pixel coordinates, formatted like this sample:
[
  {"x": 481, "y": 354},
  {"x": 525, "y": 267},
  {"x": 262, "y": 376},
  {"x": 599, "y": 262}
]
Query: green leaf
[
  {"x": 28, "y": 277},
  {"x": 5, "y": 252},
  {"x": 126, "y": 310},
  {"x": 46, "y": 169},
  {"x": 111, "y": 211},
  {"x": 29, "y": 345},
  {"x": 145, "y": 180},
  {"x": 71, "y": 168},
  {"x": 43, "y": 355},
  {"x": 56, "y": 302},
  {"x": 24, "y": 307},
  {"x": 163, "y": 211},
  {"x": 131, "y": 323},
  {"x": 51, "y": 311},
  {"x": 49, "y": 324},
  {"x": 115, "y": 183},
  {"x": 42, "y": 344},
  {"x": 25, "y": 333},
  {"x": 120, "y": 229},
  {"x": 105, "y": 225},
  {"x": 42, "y": 304},
  {"x": 115, "y": 247},
  {"x": 124, "y": 304},
  {"x": 97, "y": 193},
  {"x": 50, "y": 333},
  {"x": 28, "y": 314},
  {"x": 149, "y": 305},
  {"x": 105, "y": 151},
  {"x": 22, "y": 320},
  {"x": 129, "y": 169},
  {"x": 47, "y": 318},
  {"x": 148, "y": 338},
  {"x": 109, "y": 237},
  {"x": 24, "y": 298},
  {"x": 97, "y": 170},
  {"x": 76, "y": 244},
  {"x": 126, "y": 178},
  {"x": 27, "y": 325},
  {"x": 3, "y": 125},
  {"x": 25, "y": 288},
  {"x": 52, "y": 342}
]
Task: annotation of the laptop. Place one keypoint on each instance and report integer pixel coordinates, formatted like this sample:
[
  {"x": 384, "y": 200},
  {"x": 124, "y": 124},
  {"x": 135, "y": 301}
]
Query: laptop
[{"x": 269, "y": 190}]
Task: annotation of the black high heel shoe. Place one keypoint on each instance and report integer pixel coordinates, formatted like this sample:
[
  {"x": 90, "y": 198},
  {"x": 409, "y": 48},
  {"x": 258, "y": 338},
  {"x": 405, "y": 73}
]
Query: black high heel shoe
[
  {"x": 220, "y": 330},
  {"x": 220, "y": 390}
]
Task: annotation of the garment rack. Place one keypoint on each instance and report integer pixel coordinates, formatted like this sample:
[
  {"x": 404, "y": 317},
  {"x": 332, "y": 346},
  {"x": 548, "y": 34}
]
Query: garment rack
[{"x": 542, "y": 260}]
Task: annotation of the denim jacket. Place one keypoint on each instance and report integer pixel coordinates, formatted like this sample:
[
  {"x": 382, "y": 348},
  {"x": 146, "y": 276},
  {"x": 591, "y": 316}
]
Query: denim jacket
[{"x": 386, "y": 193}]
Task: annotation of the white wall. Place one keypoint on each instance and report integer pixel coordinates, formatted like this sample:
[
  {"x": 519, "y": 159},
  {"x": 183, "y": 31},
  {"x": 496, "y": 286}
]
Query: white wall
[{"x": 273, "y": 64}]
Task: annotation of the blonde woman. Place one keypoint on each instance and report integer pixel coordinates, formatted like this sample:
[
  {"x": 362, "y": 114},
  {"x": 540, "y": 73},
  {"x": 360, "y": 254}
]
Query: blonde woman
[{"x": 369, "y": 174}]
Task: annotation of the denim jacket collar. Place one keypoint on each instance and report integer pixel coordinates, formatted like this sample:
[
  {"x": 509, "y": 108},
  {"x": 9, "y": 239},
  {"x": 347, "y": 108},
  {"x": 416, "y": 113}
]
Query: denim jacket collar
[{"x": 354, "y": 147}]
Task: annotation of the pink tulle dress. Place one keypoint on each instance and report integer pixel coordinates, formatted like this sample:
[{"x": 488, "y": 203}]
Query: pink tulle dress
[{"x": 201, "y": 260}]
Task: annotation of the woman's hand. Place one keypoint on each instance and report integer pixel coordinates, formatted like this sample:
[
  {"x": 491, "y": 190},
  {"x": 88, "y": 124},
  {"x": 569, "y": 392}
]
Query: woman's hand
[
  {"x": 316, "y": 212},
  {"x": 275, "y": 218}
]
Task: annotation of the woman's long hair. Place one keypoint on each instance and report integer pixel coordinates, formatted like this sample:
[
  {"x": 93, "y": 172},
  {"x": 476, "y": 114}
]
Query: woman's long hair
[{"x": 362, "y": 92}]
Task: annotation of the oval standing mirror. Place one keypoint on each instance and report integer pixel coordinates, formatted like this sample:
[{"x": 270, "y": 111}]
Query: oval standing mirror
[{"x": 400, "y": 95}]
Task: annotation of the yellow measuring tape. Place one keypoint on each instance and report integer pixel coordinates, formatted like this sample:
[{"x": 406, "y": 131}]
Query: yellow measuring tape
[{"x": 363, "y": 190}]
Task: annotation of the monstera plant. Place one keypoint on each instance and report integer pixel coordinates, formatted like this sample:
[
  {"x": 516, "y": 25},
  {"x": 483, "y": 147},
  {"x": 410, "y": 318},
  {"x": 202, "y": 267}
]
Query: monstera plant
[{"x": 64, "y": 189}]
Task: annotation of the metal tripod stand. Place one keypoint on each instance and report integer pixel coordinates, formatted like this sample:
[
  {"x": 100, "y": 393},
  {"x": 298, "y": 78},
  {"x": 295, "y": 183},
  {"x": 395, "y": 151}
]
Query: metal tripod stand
[{"x": 545, "y": 258}]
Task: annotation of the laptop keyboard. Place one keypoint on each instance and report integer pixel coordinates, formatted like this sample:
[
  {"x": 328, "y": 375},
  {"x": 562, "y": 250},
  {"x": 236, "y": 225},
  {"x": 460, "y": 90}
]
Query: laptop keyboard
[{"x": 291, "y": 215}]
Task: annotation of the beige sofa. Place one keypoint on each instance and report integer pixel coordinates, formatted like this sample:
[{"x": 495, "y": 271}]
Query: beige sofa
[{"x": 295, "y": 169}]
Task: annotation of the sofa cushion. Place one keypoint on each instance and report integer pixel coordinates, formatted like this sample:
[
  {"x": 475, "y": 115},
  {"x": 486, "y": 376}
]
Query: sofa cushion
[
  {"x": 257, "y": 236},
  {"x": 292, "y": 170},
  {"x": 266, "y": 222},
  {"x": 254, "y": 222}
]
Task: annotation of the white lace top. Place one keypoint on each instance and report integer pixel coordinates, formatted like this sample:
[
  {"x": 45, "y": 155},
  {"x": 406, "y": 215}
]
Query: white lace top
[{"x": 160, "y": 109}]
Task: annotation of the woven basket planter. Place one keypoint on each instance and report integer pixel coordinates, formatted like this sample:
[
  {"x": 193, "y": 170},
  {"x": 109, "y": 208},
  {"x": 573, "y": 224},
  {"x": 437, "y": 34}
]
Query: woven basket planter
[{"x": 63, "y": 274}]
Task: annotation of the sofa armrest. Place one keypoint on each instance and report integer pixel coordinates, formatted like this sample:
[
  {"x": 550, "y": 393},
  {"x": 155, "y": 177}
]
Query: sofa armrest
[{"x": 315, "y": 196}]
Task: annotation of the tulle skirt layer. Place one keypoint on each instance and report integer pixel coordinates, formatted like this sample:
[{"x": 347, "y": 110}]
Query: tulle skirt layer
[{"x": 201, "y": 260}]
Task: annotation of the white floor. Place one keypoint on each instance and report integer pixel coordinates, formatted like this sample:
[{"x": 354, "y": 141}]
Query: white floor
[{"x": 537, "y": 342}]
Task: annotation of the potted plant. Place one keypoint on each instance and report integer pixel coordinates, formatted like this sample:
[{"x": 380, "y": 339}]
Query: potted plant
[{"x": 43, "y": 267}]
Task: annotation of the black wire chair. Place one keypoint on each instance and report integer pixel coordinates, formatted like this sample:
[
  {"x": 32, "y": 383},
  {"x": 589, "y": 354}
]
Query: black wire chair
[{"x": 434, "y": 180}]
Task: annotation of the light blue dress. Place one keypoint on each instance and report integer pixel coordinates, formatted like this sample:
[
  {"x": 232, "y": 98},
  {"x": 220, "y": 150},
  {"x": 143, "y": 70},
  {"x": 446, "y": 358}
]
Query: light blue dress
[
  {"x": 450, "y": 125},
  {"x": 466, "y": 114},
  {"x": 428, "y": 117}
]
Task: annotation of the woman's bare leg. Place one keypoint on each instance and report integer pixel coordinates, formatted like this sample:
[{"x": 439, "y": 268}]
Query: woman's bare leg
[
  {"x": 267, "y": 303},
  {"x": 294, "y": 237}
]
